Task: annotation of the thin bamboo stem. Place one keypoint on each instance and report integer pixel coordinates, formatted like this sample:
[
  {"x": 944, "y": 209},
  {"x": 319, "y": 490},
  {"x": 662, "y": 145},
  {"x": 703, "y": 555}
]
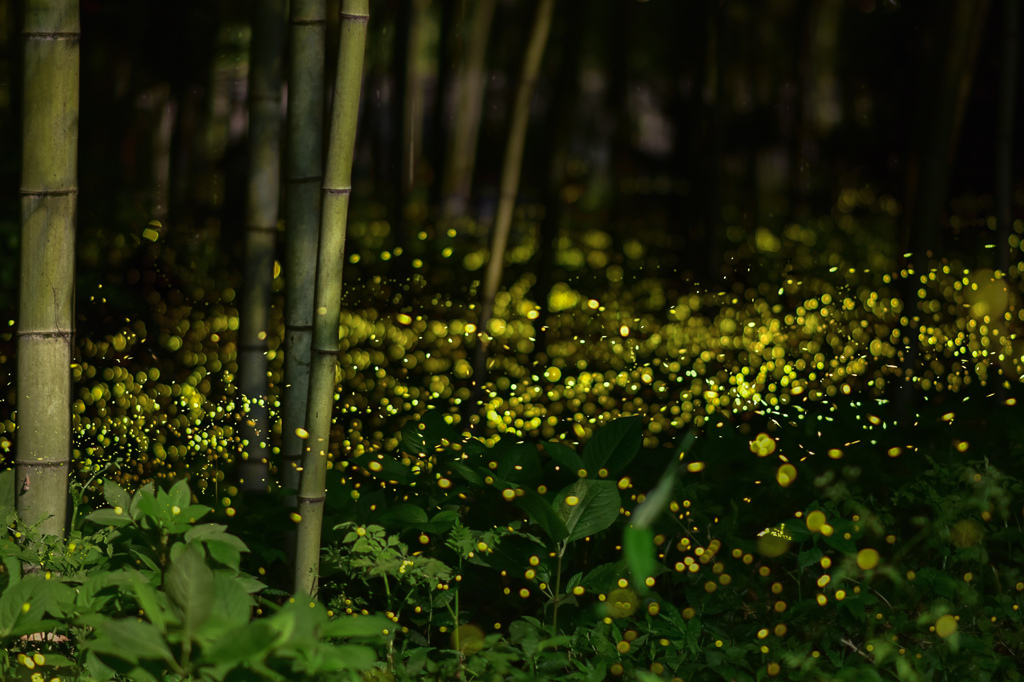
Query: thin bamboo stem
[
  {"x": 327, "y": 307},
  {"x": 265, "y": 73},
  {"x": 304, "y": 177},
  {"x": 510, "y": 175},
  {"x": 461, "y": 159}
]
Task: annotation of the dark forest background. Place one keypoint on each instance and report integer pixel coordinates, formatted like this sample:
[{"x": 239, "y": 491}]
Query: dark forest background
[{"x": 701, "y": 121}]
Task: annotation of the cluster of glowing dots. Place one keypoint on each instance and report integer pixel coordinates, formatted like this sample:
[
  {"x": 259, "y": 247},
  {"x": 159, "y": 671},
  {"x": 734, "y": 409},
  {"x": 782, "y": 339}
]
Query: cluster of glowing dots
[{"x": 677, "y": 358}]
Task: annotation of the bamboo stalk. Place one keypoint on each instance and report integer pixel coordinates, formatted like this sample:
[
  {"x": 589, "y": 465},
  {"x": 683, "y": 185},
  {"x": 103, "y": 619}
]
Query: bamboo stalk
[
  {"x": 327, "y": 307},
  {"x": 265, "y": 71},
  {"x": 461, "y": 159},
  {"x": 49, "y": 192},
  {"x": 510, "y": 173},
  {"x": 304, "y": 176},
  {"x": 1004, "y": 133}
]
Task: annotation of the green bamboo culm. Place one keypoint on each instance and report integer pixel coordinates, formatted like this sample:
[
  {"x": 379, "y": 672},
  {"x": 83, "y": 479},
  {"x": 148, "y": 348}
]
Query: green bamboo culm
[
  {"x": 327, "y": 306},
  {"x": 461, "y": 158},
  {"x": 265, "y": 75},
  {"x": 49, "y": 193},
  {"x": 304, "y": 171},
  {"x": 510, "y": 173}
]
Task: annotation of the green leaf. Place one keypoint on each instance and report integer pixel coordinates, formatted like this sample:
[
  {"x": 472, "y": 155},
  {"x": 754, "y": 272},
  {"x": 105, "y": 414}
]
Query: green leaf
[
  {"x": 596, "y": 508},
  {"x": 224, "y": 552},
  {"x": 116, "y": 496},
  {"x": 147, "y": 490},
  {"x": 403, "y": 514},
  {"x": 467, "y": 473},
  {"x": 809, "y": 557},
  {"x": 42, "y": 596},
  {"x": 180, "y": 495},
  {"x": 157, "y": 510},
  {"x": 693, "y": 628},
  {"x": 614, "y": 446},
  {"x": 129, "y": 639},
  {"x": 604, "y": 577},
  {"x": 108, "y": 517},
  {"x": 441, "y": 521},
  {"x": 413, "y": 441},
  {"x": 385, "y": 468},
  {"x": 189, "y": 584},
  {"x": 7, "y": 489},
  {"x": 638, "y": 549},
  {"x": 149, "y": 600},
  {"x": 193, "y": 512},
  {"x": 231, "y": 609},
  {"x": 565, "y": 457},
  {"x": 217, "y": 532},
  {"x": 358, "y": 626},
  {"x": 541, "y": 514},
  {"x": 555, "y": 642},
  {"x": 515, "y": 462},
  {"x": 838, "y": 542}
]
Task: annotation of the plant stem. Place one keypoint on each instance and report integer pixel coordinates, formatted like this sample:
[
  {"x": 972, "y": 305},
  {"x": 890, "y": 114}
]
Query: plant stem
[{"x": 558, "y": 589}]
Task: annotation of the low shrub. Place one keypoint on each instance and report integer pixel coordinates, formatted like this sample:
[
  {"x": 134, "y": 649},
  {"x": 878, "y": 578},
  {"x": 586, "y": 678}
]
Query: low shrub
[{"x": 153, "y": 594}]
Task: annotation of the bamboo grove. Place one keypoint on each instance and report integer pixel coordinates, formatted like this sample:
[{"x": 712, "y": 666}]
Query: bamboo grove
[{"x": 300, "y": 154}]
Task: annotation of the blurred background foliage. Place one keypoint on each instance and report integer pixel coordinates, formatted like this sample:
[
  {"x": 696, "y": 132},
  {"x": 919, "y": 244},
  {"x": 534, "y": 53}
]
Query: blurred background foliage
[{"x": 724, "y": 206}]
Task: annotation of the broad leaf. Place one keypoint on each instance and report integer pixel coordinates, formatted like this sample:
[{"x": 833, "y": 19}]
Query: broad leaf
[
  {"x": 180, "y": 495},
  {"x": 565, "y": 457},
  {"x": 541, "y": 513},
  {"x": 231, "y": 610},
  {"x": 7, "y": 489},
  {"x": 129, "y": 639},
  {"x": 413, "y": 441},
  {"x": 467, "y": 473},
  {"x": 224, "y": 553},
  {"x": 403, "y": 514},
  {"x": 361, "y": 626},
  {"x": 149, "y": 600},
  {"x": 109, "y": 517},
  {"x": 614, "y": 445},
  {"x": 147, "y": 490},
  {"x": 596, "y": 507},
  {"x": 116, "y": 496},
  {"x": 215, "y": 531},
  {"x": 189, "y": 584}
]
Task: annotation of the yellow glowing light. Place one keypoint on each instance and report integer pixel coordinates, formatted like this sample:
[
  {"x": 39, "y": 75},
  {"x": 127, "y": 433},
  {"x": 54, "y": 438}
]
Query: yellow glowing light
[
  {"x": 867, "y": 559},
  {"x": 815, "y": 520},
  {"x": 786, "y": 475},
  {"x": 945, "y": 626}
]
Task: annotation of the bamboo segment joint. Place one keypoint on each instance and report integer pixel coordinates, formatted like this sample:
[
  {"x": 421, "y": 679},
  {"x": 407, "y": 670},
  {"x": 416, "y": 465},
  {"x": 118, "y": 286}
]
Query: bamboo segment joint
[
  {"x": 311, "y": 500},
  {"x": 338, "y": 190},
  {"x": 308, "y": 22},
  {"x": 263, "y": 228},
  {"x": 49, "y": 192},
  {"x": 53, "y": 35},
  {"x": 63, "y": 334},
  {"x": 354, "y": 17},
  {"x": 41, "y": 464}
]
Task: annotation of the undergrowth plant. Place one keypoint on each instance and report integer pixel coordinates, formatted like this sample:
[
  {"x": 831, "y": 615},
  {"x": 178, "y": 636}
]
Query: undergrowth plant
[
  {"x": 154, "y": 594},
  {"x": 834, "y": 545}
]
